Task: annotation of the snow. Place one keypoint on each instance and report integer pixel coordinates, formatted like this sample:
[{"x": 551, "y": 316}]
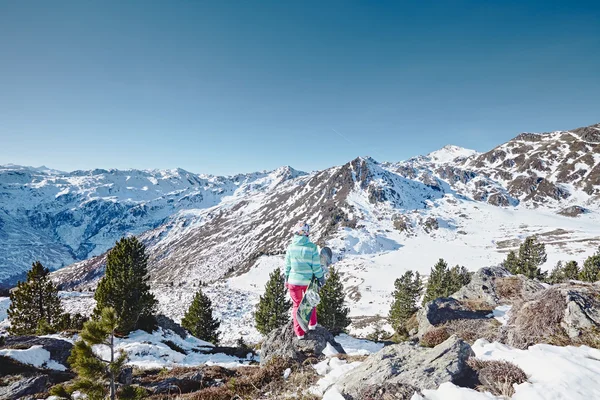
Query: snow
[
  {"x": 148, "y": 351},
  {"x": 35, "y": 355},
  {"x": 448, "y": 391},
  {"x": 450, "y": 153},
  {"x": 500, "y": 313},
  {"x": 4, "y": 304},
  {"x": 287, "y": 373},
  {"x": 331, "y": 370},
  {"x": 330, "y": 351},
  {"x": 358, "y": 347}
]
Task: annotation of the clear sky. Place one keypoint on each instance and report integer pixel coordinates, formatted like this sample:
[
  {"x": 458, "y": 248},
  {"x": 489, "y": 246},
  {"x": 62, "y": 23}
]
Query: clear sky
[{"x": 237, "y": 86}]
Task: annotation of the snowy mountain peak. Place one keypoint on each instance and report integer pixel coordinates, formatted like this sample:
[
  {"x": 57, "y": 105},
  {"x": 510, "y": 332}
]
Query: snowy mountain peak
[{"x": 450, "y": 153}]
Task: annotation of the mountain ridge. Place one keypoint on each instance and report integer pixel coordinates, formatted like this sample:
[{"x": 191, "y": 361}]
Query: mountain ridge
[{"x": 78, "y": 215}]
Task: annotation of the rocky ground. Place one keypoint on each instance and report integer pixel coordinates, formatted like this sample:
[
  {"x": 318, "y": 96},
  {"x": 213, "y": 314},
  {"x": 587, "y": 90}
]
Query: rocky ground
[{"x": 501, "y": 336}]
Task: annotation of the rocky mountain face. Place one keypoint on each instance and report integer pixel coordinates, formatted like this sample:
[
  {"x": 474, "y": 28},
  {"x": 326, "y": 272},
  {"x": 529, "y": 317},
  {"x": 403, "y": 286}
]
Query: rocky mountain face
[
  {"x": 61, "y": 218},
  {"x": 200, "y": 227},
  {"x": 212, "y": 243}
]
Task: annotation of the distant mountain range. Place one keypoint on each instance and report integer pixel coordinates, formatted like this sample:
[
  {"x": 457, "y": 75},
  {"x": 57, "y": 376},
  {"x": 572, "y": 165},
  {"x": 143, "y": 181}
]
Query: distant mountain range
[{"x": 203, "y": 227}]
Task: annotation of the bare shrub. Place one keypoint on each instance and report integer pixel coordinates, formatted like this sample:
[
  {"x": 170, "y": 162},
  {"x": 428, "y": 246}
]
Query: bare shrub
[
  {"x": 434, "y": 337},
  {"x": 498, "y": 377},
  {"x": 538, "y": 320},
  {"x": 470, "y": 330},
  {"x": 508, "y": 287}
]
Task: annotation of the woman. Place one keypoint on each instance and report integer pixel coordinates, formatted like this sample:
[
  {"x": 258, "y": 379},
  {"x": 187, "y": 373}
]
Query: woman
[{"x": 302, "y": 262}]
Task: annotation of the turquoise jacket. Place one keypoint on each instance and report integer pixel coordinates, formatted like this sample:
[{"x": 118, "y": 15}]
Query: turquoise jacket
[{"x": 302, "y": 261}]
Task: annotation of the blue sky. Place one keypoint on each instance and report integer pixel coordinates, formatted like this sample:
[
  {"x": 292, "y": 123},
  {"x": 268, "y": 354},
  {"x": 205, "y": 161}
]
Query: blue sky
[{"x": 225, "y": 87}]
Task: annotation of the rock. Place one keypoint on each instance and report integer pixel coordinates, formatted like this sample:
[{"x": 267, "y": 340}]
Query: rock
[
  {"x": 563, "y": 314},
  {"x": 190, "y": 381},
  {"x": 282, "y": 342},
  {"x": 60, "y": 350},
  {"x": 494, "y": 286},
  {"x": 411, "y": 366},
  {"x": 573, "y": 211},
  {"x": 126, "y": 376},
  {"x": 443, "y": 310},
  {"x": 167, "y": 323},
  {"x": 24, "y": 387},
  {"x": 389, "y": 392}
]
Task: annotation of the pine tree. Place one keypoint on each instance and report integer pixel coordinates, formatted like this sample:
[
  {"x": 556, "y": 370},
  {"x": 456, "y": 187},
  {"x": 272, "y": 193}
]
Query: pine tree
[
  {"x": 512, "y": 263},
  {"x": 273, "y": 309},
  {"x": 591, "y": 268},
  {"x": 331, "y": 312},
  {"x": 408, "y": 289},
  {"x": 96, "y": 377},
  {"x": 571, "y": 270},
  {"x": 199, "y": 321},
  {"x": 459, "y": 277},
  {"x": 531, "y": 256},
  {"x": 557, "y": 275},
  {"x": 124, "y": 287},
  {"x": 438, "y": 284},
  {"x": 35, "y": 305}
]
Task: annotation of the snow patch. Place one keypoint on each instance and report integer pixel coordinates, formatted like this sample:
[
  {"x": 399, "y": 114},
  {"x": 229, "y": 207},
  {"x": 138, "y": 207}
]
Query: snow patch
[{"x": 35, "y": 355}]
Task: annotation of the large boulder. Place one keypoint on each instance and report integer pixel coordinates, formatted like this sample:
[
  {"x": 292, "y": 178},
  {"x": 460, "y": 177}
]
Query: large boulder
[
  {"x": 167, "y": 323},
  {"x": 24, "y": 387},
  {"x": 59, "y": 350},
  {"x": 412, "y": 367},
  {"x": 563, "y": 314},
  {"x": 442, "y": 310},
  {"x": 282, "y": 342},
  {"x": 494, "y": 286}
]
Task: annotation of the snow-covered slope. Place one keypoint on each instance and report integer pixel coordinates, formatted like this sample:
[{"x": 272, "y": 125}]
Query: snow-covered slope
[{"x": 60, "y": 218}]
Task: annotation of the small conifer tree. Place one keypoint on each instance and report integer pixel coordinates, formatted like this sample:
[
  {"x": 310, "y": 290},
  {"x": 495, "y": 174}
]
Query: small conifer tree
[
  {"x": 557, "y": 275},
  {"x": 273, "y": 308},
  {"x": 199, "y": 321},
  {"x": 438, "y": 283},
  {"x": 531, "y": 256},
  {"x": 571, "y": 270},
  {"x": 512, "y": 263},
  {"x": 459, "y": 277},
  {"x": 124, "y": 286},
  {"x": 35, "y": 306},
  {"x": 591, "y": 268},
  {"x": 96, "y": 377},
  {"x": 407, "y": 290},
  {"x": 331, "y": 312}
]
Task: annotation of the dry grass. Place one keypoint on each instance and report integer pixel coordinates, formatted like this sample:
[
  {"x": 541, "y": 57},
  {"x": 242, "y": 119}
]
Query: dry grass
[
  {"x": 498, "y": 377},
  {"x": 351, "y": 358},
  {"x": 470, "y": 330},
  {"x": 434, "y": 337},
  {"x": 588, "y": 337},
  {"x": 538, "y": 320},
  {"x": 478, "y": 305},
  {"x": 248, "y": 382},
  {"x": 508, "y": 287}
]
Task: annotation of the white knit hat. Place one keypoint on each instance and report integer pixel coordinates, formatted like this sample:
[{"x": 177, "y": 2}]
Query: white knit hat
[{"x": 301, "y": 228}]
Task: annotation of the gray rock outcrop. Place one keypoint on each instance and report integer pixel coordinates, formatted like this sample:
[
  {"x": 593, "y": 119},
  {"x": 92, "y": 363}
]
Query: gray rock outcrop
[
  {"x": 443, "y": 310},
  {"x": 282, "y": 342},
  {"x": 563, "y": 314},
  {"x": 411, "y": 366},
  {"x": 24, "y": 387},
  {"x": 494, "y": 286}
]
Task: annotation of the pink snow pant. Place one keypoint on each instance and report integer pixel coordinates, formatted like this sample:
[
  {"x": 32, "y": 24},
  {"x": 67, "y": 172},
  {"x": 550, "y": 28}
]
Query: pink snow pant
[{"x": 296, "y": 293}]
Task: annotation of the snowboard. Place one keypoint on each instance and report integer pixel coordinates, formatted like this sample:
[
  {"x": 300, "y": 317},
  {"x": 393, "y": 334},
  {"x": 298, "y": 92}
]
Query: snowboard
[{"x": 311, "y": 296}]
